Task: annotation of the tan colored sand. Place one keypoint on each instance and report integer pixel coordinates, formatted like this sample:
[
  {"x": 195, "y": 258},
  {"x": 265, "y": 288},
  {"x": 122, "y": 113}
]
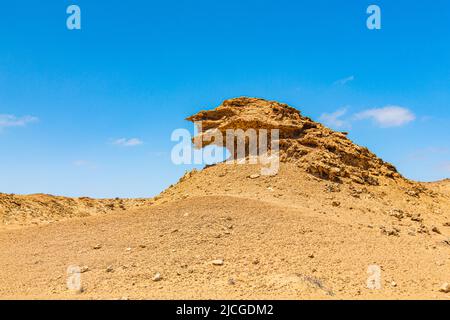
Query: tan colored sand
[{"x": 278, "y": 237}]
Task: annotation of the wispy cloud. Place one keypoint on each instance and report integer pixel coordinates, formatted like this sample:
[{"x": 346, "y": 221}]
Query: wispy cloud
[
  {"x": 124, "y": 142},
  {"x": 389, "y": 116},
  {"x": 343, "y": 81},
  {"x": 335, "y": 119},
  {"x": 9, "y": 120},
  {"x": 84, "y": 164},
  {"x": 385, "y": 117}
]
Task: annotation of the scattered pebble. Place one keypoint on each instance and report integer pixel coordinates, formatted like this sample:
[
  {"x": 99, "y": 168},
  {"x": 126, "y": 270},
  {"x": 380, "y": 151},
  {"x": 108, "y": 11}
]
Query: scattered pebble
[
  {"x": 231, "y": 282},
  {"x": 254, "y": 176},
  {"x": 396, "y": 213},
  {"x": 445, "y": 288},
  {"x": 84, "y": 269},
  {"x": 157, "y": 277},
  {"x": 394, "y": 284},
  {"x": 416, "y": 217},
  {"x": 109, "y": 269},
  {"x": 217, "y": 262},
  {"x": 98, "y": 246},
  {"x": 390, "y": 231},
  {"x": 336, "y": 203},
  {"x": 435, "y": 229}
]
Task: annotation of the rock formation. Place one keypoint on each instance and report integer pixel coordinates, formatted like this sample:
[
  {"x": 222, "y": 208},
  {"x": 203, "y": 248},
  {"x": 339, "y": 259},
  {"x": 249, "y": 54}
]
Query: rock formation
[{"x": 313, "y": 147}]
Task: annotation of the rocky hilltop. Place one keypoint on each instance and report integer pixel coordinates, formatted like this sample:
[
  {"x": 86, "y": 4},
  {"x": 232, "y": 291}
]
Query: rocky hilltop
[{"x": 310, "y": 145}]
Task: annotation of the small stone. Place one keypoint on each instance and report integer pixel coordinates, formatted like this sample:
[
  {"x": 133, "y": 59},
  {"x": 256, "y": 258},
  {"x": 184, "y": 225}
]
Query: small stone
[
  {"x": 412, "y": 193},
  {"x": 142, "y": 246},
  {"x": 396, "y": 213},
  {"x": 256, "y": 261},
  {"x": 336, "y": 203},
  {"x": 446, "y": 224},
  {"x": 97, "y": 246},
  {"x": 157, "y": 277},
  {"x": 109, "y": 269},
  {"x": 128, "y": 249},
  {"x": 84, "y": 269},
  {"x": 254, "y": 176},
  {"x": 435, "y": 229},
  {"x": 217, "y": 262},
  {"x": 445, "y": 288},
  {"x": 231, "y": 282},
  {"x": 393, "y": 284},
  {"x": 390, "y": 231},
  {"x": 311, "y": 256}
]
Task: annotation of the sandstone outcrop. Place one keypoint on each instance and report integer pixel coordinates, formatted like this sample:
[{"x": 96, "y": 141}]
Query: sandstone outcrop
[{"x": 322, "y": 152}]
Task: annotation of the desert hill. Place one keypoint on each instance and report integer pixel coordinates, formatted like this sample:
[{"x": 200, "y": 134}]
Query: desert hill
[
  {"x": 20, "y": 210},
  {"x": 309, "y": 231}
]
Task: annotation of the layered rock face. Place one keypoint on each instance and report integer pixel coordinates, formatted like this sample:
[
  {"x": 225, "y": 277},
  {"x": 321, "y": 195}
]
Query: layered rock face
[{"x": 315, "y": 148}]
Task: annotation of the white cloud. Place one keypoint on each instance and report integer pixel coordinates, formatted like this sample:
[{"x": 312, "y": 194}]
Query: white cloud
[
  {"x": 124, "y": 142},
  {"x": 334, "y": 119},
  {"x": 84, "y": 164},
  {"x": 9, "y": 120},
  {"x": 80, "y": 163},
  {"x": 343, "y": 81},
  {"x": 389, "y": 116}
]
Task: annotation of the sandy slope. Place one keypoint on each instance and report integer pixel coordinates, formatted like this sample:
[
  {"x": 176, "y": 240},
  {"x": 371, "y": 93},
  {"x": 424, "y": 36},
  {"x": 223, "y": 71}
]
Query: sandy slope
[{"x": 273, "y": 246}]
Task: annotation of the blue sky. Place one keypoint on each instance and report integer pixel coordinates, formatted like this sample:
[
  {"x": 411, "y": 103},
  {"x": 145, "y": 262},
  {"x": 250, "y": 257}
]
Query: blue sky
[{"x": 70, "y": 101}]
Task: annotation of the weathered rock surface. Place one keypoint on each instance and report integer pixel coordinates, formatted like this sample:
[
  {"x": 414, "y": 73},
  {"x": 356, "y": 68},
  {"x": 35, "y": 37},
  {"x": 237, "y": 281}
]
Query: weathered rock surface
[{"x": 315, "y": 148}]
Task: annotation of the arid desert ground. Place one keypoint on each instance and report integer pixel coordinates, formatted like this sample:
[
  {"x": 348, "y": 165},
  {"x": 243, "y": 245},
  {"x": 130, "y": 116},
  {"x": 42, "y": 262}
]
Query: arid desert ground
[{"x": 310, "y": 231}]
